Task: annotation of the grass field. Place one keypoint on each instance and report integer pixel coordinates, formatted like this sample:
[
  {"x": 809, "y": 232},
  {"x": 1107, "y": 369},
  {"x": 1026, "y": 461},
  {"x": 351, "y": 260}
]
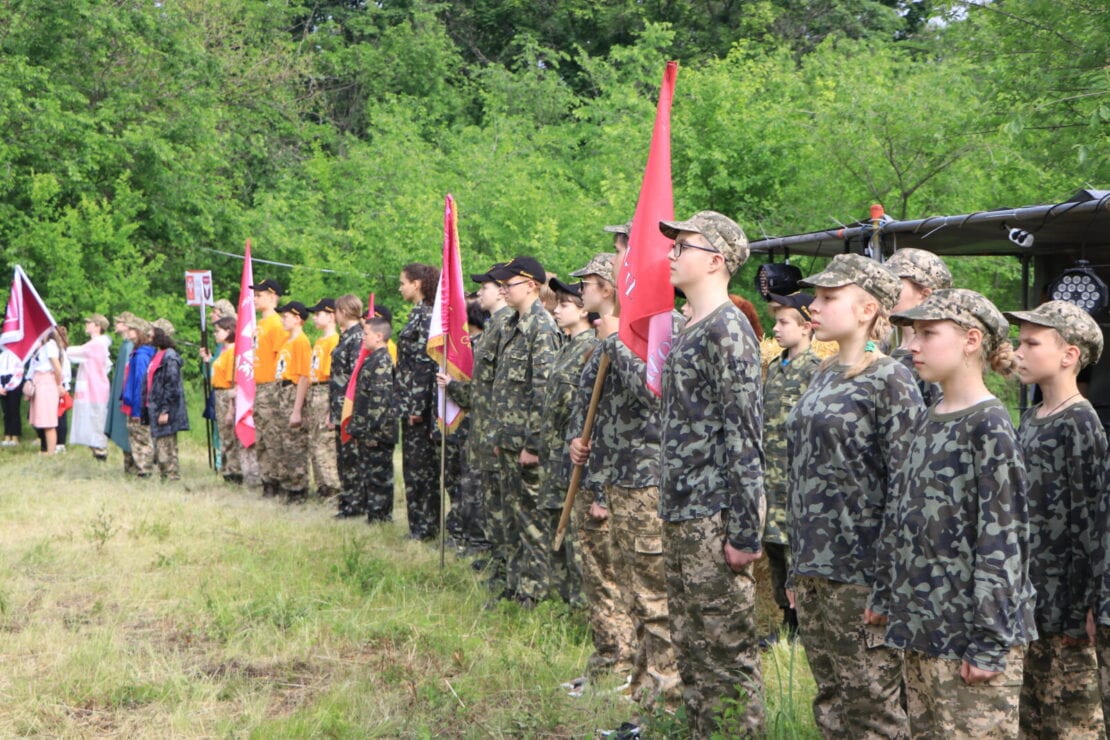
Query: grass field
[{"x": 137, "y": 608}]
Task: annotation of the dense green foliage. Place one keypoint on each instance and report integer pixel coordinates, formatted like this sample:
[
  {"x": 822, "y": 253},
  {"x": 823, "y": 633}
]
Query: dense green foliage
[{"x": 137, "y": 135}]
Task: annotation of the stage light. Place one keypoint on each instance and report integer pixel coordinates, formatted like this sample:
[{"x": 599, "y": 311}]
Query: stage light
[
  {"x": 778, "y": 278},
  {"x": 1081, "y": 285}
]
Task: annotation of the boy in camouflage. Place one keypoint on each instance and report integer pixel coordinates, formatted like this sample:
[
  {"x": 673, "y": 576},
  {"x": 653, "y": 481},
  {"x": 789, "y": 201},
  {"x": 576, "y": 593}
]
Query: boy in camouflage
[
  {"x": 269, "y": 423},
  {"x": 711, "y": 495},
  {"x": 955, "y": 592},
  {"x": 348, "y": 312},
  {"x": 787, "y": 378},
  {"x": 579, "y": 343},
  {"x": 373, "y": 423},
  {"x": 321, "y": 432},
  {"x": 525, "y": 356},
  {"x": 607, "y": 598},
  {"x": 848, "y": 433},
  {"x": 1065, "y": 456},
  {"x": 293, "y": 367},
  {"x": 921, "y": 272}
]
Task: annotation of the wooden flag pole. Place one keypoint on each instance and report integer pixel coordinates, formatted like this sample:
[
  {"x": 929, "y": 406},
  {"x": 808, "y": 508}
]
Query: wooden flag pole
[
  {"x": 587, "y": 430},
  {"x": 443, "y": 461}
]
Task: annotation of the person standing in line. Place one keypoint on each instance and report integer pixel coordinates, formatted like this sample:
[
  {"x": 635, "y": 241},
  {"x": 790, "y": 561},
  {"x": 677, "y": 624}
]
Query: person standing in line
[
  {"x": 269, "y": 423},
  {"x": 223, "y": 388},
  {"x": 348, "y": 313},
  {"x": 373, "y": 424},
  {"x": 165, "y": 400},
  {"x": 115, "y": 427},
  {"x": 321, "y": 432},
  {"x": 132, "y": 397},
  {"x": 711, "y": 496},
  {"x": 91, "y": 393},
  {"x": 47, "y": 384},
  {"x": 11, "y": 396},
  {"x": 953, "y": 581},
  {"x": 292, "y": 371},
  {"x": 921, "y": 273},
  {"x": 416, "y": 382}
]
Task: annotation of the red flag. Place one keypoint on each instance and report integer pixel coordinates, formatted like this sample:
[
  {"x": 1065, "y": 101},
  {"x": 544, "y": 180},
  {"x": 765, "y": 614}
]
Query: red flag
[
  {"x": 644, "y": 282},
  {"x": 448, "y": 339},
  {"x": 27, "y": 319},
  {"x": 352, "y": 384},
  {"x": 244, "y": 355}
]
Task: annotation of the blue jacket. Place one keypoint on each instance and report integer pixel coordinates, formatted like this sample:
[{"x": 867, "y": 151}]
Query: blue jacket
[{"x": 136, "y": 379}]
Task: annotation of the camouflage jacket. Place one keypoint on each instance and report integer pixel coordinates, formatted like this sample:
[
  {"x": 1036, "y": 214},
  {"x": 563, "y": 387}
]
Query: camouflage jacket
[
  {"x": 624, "y": 447},
  {"x": 711, "y": 427},
  {"x": 374, "y": 419},
  {"x": 416, "y": 370},
  {"x": 930, "y": 392},
  {"x": 956, "y": 541},
  {"x": 562, "y": 387},
  {"x": 846, "y": 438},
  {"x": 475, "y": 395},
  {"x": 524, "y": 358},
  {"x": 343, "y": 359},
  {"x": 1065, "y": 458},
  {"x": 782, "y": 388}
]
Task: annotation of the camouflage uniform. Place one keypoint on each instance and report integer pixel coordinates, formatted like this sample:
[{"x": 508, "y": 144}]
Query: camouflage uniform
[
  {"x": 416, "y": 373},
  {"x": 475, "y": 396},
  {"x": 142, "y": 447},
  {"x": 230, "y": 449},
  {"x": 373, "y": 426},
  {"x": 786, "y": 381},
  {"x": 957, "y": 586},
  {"x": 317, "y": 407},
  {"x": 711, "y": 491},
  {"x": 625, "y": 461},
  {"x": 1065, "y": 457},
  {"x": 562, "y": 385},
  {"x": 846, "y": 438},
  {"x": 930, "y": 392},
  {"x": 524, "y": 359},
  {"x": 928, "y": 271},
  {"x": 343, "y": 359},
  {"x": 268, "y": 421}
]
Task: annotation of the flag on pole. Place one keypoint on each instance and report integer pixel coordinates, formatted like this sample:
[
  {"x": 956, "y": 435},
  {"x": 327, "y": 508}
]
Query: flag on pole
[
  {"x": 244, "y": 355},
  {"x": 27, "y": 319},
  {"x": 448, "y": 339},
  {"x": 644, "y": 282},
  {"x": 352, "y": 384}
]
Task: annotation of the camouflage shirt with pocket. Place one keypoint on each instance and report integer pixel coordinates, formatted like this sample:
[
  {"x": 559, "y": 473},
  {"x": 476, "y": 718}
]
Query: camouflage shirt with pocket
[
  {"x": 562, "y": 388},
  {"x": 525, "y": 355}
]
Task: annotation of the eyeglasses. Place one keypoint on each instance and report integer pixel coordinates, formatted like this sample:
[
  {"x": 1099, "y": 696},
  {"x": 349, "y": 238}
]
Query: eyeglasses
[
  {"x": 506, "y": 286},
  {"x": 583, "y": 283},
  {"x": 678, "y": 247}
]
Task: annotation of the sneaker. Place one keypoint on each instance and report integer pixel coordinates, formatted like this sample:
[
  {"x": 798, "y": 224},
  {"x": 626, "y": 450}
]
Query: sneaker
[
  {"x": 575, "y": 686},
  {"x": 60, "y": 448},
  {"x": 626, "y": 731}
]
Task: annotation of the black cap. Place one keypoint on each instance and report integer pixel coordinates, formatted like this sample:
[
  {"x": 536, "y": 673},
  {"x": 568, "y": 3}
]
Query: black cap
[
  {"x": 527, "y": 267},
  {"x": 294, "y": 307},
  {"x": 325, "y": 304},
  {"x": 487, "y": 276},
  {"x": 798, "y": 301},
  {"x": 380, "y": 312},
  {"x": 270, "y": 285},
  {"x": 560, "y": 287}
]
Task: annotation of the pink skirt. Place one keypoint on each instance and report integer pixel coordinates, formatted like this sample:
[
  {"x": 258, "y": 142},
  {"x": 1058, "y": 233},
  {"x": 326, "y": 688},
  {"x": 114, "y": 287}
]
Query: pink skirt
[{"x": 44, "y": 404}]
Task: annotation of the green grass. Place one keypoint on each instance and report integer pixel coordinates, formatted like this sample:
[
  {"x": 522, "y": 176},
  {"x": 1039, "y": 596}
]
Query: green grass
[{"x": 136, "y": 608}]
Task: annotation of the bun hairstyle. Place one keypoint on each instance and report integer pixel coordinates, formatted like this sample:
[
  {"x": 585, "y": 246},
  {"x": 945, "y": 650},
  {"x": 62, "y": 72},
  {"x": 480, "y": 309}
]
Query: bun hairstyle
[
  {"x": 1001, "y": 359},
  {"x": 349, "y": 306}
]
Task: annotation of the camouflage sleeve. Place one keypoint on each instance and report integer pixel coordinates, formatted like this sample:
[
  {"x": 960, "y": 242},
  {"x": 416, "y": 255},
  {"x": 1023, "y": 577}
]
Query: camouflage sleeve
[
  {"x": 459, "y": 391},
  {"x": 420, "y": 399},
  {"x": 1087, "y": 463},
  {"x": 1000, "y": 562},
  {"x": 374, "y": 397},
  {"x": 543, "y": 349},
  {"x": 631, "y": 369},
  {"x": 738, "y": 387},
  {"x": 577, "y": 420}
]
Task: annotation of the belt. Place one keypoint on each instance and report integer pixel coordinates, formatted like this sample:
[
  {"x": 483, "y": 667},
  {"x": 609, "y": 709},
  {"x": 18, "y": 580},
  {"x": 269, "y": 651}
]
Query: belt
[{"x": 287, "y": 383}]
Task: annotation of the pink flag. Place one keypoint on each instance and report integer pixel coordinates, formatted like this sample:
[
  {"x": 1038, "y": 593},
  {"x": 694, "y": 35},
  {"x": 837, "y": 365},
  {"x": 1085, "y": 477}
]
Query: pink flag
[
  {"x": 644, "y": 282},
  {"x": 244, "y": 355},
  {"x": 448, "y": 339},
  {"x": 27, "y": 319},
  {"x": 352, "y": 384}
]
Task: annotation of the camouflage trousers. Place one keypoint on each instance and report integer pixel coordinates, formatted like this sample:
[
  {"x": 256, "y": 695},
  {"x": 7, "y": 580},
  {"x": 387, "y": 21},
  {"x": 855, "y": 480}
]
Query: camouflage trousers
[
  {"x": 778, "y": 562},
  {"x": 609, "y": 608},
  {"x": 321, "y": 441},
  {"x": 420, "y": 465},
  {"x": 292, "y": 446},
  {"x": 942, "y": 707},
  {"x": 248, "y": 462},
  {"x": 1059, "y": 691},
  {"x": 636, "y": 532},
  {"x": 469, "y": 509},
  {"x": 268, "y": 428},
  {"x": 230, "y": 448},
  {"x": 528, "y": 561},
  {"x": 1102, "y": 649},
  {"x": 375, "y": 472},
  {"x": 495, "y": 527},
  {"x": 165, "y": 456},
  {"x": 564, "y": 578},
  {"x": 142, "y": 447},
  {"x": 350, "y": 486},
  {"x": 712, "y": 614},
  {"x": 859, "y": 680}
]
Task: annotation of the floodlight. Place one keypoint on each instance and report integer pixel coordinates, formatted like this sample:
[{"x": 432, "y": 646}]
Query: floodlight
[{"x": 1081, "y": 285}]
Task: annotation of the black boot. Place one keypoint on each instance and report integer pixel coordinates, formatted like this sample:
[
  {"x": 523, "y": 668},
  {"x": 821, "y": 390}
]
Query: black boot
[
  {"x": 269, "y": 489},
  {"x": 789, "y": 626},
  {"x": 295, "y": 495}
]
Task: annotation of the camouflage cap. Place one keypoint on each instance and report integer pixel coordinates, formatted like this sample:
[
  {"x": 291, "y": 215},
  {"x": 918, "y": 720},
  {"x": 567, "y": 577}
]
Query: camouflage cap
[
  {"x": 724, "y": 234},
  {"x": 224, "y": 307},
  {"x": 922, "y": 267},
  {"x": 165, "y": 325},
  {"x": 140, "y": 325},
  {"x": 1073, "y": 323},
  {"x": 125, "y": 318},
  {"x": 964, "y": 307},
  {"x": 625, "y": 229},
  {"x": 600, "y": 264},
  {"x": 855, "y": 269}
]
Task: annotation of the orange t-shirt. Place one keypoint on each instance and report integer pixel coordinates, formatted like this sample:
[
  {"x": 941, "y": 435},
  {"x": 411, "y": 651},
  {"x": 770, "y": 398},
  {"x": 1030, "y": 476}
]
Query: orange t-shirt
[
  {"x": 321, "y": 358},
  {"x": 294, "y": 359},
  {"x": 223, "y": 369},
  {"x": 271, "y": 336}
]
